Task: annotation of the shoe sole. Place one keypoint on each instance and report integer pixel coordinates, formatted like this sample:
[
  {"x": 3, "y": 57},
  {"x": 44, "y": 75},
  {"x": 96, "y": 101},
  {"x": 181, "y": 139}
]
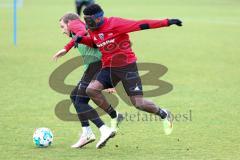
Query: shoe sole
[
  {"x": 106, "y": 140},
  {"x": 85, "y": 144}
]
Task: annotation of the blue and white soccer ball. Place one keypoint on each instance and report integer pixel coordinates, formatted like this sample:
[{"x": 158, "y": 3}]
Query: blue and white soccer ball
[{"x": 43, "y": 137}]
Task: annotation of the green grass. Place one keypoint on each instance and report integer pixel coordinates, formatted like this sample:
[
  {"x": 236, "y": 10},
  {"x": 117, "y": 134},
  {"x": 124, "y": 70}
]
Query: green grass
[{"x": 203, "y": 62}]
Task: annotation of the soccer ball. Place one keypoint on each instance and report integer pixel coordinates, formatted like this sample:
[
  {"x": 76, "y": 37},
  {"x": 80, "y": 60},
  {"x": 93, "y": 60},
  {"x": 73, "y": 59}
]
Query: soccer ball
[{"x": 42, "y": 137}]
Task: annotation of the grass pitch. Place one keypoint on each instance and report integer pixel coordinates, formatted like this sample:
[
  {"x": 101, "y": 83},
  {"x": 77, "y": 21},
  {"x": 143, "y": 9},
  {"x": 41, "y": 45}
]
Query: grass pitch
[{"x": 202, "y": 59}]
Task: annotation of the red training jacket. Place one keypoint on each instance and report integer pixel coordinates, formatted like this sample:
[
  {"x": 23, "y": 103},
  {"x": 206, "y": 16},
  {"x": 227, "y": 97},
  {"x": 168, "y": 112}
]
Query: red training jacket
[{"x": 113, "y": 41}]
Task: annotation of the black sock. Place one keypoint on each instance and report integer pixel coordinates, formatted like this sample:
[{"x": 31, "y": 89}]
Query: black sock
[
  {"x": 111, "y": 111},
  {"x": 84, "y": 123},
  {"x": 161, "y": 113}
]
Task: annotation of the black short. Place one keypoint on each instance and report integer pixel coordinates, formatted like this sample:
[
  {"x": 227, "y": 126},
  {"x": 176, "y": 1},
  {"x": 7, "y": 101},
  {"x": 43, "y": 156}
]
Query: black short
[
  {"x": 90, "y": 74},
  {"x": 128, "y": 75},
  {"x": 81, "y": 3}
]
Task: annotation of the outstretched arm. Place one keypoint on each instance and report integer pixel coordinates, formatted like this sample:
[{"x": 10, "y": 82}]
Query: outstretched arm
[
  {"x": 74, "y": 43},
  {"x": 69, "y": 46},
  {"x": 127, "y": 26},
  {"x": 63, "y": 51}
]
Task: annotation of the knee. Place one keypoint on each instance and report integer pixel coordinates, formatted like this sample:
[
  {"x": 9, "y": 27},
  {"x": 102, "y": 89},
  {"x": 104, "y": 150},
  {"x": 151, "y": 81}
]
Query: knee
[
  {"x": 91, "y": 92},
  {"x": 94, "y": 89},
  {"x": 138, "y": 104}
]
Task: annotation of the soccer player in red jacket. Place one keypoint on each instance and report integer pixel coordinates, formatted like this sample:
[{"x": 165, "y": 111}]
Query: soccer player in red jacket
[{"x": 110, "y": 35}]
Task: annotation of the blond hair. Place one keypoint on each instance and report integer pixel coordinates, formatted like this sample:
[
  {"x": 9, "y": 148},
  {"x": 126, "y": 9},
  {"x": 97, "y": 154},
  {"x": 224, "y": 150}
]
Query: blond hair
[{"x": 69, "y": 17}]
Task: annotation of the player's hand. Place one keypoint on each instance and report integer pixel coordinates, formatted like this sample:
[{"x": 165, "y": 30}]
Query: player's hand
[
  {"x": 77, "y": 40},
  {"x": 110, "y": 90},
  {"x": 174, "y": 22},
  {"x": 59, "y": 54}
]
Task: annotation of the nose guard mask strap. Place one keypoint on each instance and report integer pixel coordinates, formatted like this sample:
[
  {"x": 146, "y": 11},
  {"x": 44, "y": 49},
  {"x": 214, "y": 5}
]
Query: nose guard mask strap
[{"x": 94, "y": 21}]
